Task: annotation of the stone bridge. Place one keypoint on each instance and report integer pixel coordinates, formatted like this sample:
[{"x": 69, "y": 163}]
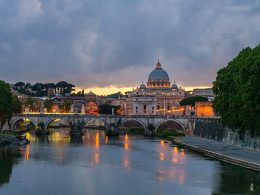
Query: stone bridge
[
  {"x": 152, "y": 123},
  {"x": 149, "y": 123}
]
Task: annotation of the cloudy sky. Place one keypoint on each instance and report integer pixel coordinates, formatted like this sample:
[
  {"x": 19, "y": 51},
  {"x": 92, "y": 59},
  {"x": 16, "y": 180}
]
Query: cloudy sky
[{"x": 104, "y": 43}]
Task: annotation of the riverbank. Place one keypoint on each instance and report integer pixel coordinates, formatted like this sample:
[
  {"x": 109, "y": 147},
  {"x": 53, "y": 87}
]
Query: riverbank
[{"x": 221, "y": 151}]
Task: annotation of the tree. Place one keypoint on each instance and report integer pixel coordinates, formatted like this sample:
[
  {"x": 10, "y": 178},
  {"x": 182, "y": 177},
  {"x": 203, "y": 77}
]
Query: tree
[
  {"x": 30, "y": 103},
  {"x": 65, "y": 106},
  {"x": 192, "y": 100},
  {"x": 9, "y": 104},
  {"x": 20, "y": 84},
  {"x": 237, "y": 89},
  {"x": 107, "y": 109},
  {"x": 48, "y": 105}
]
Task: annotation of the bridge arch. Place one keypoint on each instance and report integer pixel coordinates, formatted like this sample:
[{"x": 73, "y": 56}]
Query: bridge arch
[
  {"x": 101, "y": 120},
  {"x": 13, "y": 123},
  {"x": 181, "y": 127},
  {"x": 136, "y": 120},
  {"x": 53, "y": 119}
]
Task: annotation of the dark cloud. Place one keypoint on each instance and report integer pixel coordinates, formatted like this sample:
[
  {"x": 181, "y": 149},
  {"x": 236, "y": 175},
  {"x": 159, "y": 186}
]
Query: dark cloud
[{"x": 117, "y": 42}]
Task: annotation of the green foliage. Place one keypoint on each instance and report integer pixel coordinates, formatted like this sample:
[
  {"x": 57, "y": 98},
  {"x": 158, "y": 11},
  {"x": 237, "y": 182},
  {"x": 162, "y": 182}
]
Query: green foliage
[
  {"x": 237, "y": 89},
  {"x": 30, "y": 103},
  {"x": 41, "y": 89},
  {"x": 169, "y": 133},
  {"x": 107, "y": 109},
  {"x": 65, "y": 106},
  {"x": 192, "y": 100},
  {"x": 48, "y": 105},
  {"x": 136, "y": 130},
  {"x": 115, "y": 95},
  {"x": 9, "y": 104},
  {"x": 19, "y": 84}
]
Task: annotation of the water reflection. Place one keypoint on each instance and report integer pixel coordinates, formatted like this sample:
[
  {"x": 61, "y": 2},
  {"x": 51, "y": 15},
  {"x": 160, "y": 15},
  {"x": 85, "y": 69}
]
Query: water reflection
[
  {"x": 94, "y": 161},
  {"x": 8, "y": 159},
  {"x": 126, "y": 145},
  {"x": 27, "y": 152}
]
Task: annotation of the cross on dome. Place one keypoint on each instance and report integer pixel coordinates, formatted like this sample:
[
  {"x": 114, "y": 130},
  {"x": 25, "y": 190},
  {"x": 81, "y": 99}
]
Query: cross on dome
[{"x": 158, "y": 65}]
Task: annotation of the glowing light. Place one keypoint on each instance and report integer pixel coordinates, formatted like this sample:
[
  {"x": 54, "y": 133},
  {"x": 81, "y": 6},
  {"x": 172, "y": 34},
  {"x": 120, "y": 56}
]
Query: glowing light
[
  {"x": 27, "y": 153},
  {"x": 182, "y": 153},
  {"x": 126, "y": 137},
  {"x": 175, "y": 160},
  {"x": 162, "y": 143},
  {"x": 126, "y": 163},
  {"x": 126, "y": 146},
  {"x": 106, "y": 139},
  {"x": 97, "y": 140},
  {"x": 162, "y": 156},
  {"x": 96, "y": 158},
  {"x": 175, "y": 149}
]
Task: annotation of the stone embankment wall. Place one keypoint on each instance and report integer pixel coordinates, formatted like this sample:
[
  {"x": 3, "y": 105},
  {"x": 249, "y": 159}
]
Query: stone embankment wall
[
  {"x": 212, "y": 128},
  {"x": 209, "y": 128}
]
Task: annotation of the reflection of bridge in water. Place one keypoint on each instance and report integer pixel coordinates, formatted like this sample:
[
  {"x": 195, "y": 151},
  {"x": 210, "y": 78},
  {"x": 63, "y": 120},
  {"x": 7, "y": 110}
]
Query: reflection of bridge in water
[{"x": 149, "y": 123}]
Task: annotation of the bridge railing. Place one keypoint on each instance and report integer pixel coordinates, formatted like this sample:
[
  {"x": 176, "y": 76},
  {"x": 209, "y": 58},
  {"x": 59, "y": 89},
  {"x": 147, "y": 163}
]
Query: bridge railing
[{"x": 30, "y": 114}]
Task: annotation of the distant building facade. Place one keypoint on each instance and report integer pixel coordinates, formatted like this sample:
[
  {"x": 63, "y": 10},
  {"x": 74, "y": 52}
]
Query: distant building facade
[
  {"x": 206, "y": 92},
  {"x": 156, "y": 97}
]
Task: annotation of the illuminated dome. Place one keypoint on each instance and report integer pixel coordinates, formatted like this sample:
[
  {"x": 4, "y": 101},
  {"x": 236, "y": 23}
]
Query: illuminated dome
[{"x": 158, "y": 77}]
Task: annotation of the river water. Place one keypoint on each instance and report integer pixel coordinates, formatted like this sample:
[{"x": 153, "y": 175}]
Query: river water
[{"x": 126, "y": 165}]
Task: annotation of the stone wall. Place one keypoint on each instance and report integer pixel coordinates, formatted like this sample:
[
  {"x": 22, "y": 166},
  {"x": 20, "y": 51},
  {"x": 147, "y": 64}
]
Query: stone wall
[
  {"x": 209, "y": 128},
  {"x": 212, "y": 128}
]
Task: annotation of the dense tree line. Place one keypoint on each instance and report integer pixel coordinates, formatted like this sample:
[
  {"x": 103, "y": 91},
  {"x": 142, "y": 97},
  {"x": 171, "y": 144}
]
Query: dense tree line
[
  {"x": 190, "y": 101},
  {"x": 107, "y": 109},
  {"x": 41, "y": 89},
  {"x": 237, "y": 89},
  {"x": 9, "y": 104}
]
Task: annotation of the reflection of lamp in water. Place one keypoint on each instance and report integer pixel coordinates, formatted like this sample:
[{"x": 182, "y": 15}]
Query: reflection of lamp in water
[
  {"x": 96, "y": 157},
  {"x": 162, "y": 156},
  {"x": 175, "y": 149},
  {"x": 126, "y": 163},
  {"x": 182, "y": 153},
  {"x": 27, "y": 153},
  {"x": 97, "y": 140},
  {"x": 162, "y": 143},
  {"x": 126, "y": 142}
]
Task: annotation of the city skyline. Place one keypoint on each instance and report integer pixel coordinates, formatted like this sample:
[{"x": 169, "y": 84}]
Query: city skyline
[{"x": 87, "y": 44}]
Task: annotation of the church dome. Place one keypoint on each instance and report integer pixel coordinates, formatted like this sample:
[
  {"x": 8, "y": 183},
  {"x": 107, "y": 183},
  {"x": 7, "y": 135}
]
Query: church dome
[
  {"x": 174, "y": 86},
  {"x": 158, "y": 74},
  {"x": 142, "y": 86},
  {"x": 158, "y": 78}
]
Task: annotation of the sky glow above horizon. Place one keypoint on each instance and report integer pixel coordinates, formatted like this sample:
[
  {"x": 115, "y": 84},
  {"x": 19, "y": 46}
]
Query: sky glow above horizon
[{"x": 113, "y": 45}]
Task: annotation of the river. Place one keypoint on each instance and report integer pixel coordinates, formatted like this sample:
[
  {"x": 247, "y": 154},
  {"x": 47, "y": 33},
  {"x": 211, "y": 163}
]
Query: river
[{"x": 126, "y": 165}]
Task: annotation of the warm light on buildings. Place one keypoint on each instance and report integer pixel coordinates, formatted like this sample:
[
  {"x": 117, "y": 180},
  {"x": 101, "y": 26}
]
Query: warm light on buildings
[{"x": 204, "y": 109}]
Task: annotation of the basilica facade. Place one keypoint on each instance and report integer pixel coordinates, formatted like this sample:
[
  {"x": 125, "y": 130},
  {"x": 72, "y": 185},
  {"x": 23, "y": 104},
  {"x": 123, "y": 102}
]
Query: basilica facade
[{"x": 157, "y": 97}]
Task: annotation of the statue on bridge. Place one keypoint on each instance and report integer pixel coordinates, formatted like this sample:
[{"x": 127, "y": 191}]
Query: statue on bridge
[{"x": 76, "y": 126}]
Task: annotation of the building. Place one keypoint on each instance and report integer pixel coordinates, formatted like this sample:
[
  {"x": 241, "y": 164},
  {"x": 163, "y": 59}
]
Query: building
[
  {"x": 157, "y": 97},
  {"x": 90, "y": 96},
  {"x": 206, "y": 92},
  {"x": 204, "y": 109},
  {"x": 91, "y": 108}
]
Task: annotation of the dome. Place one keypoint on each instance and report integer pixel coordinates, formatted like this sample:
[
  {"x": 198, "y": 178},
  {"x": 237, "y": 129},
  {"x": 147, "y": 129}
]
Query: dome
[
  {"x": 142, "y": 86},
  {"x": 174, "y": 86},
  {"x": 158, "y": 74}
]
